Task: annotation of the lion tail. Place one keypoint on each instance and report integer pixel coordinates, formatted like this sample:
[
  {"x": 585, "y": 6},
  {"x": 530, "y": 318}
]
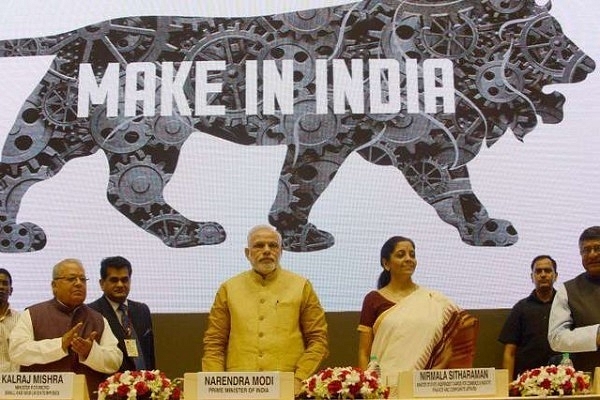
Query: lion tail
[{"x": 27, "y": 47}]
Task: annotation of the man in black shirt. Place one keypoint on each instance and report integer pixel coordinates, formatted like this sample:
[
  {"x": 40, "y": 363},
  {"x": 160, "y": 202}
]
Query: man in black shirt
[{"x": 525, "y": 332}]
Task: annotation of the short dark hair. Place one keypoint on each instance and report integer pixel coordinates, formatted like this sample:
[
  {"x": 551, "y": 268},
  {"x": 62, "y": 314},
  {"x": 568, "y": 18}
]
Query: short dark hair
[
  {"x": 5, "y": 272},
  {"x": 386, "y": 253},
  {"x": 542, "y": 257},
  {"x": 593, "y": 232},
  {"x": 114, "y": 262}
]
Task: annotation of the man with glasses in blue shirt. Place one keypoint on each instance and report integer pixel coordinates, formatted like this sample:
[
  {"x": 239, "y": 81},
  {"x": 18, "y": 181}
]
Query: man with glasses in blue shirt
[
  {"x": 65, "y": 335},
  {"x": 575, "y": 315}
]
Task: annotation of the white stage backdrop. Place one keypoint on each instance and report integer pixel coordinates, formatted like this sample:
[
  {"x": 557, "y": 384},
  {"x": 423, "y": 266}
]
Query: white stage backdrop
[{"x": 547, "y": 185}]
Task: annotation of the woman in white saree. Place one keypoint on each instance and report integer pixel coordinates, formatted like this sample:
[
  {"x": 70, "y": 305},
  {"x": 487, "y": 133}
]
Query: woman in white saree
[{"x": 409, "y": 327}]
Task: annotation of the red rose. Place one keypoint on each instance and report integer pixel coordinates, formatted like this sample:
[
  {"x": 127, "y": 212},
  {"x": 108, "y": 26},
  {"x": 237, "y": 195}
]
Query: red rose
[
  {"x": 552, "y": 370},
  {"x": 535, "y": 372},
  {"x": 123, "y": 390},
  {"x": 354, "y": 389},
  {"x": 373, "y": 384},
  {"x": 141, "y": 388},
  {"x": 334, "y": 387},
  {"x": 176, "y": 395},
  {"x": 568, "y": 387},
  {"x": 581, "y": 383},
  {"x": 149, "y": 375},
  {"x": 312, "y": 384},
  {"x": 514, "y": 391},
  {"x": 546, "y": 383},
  {"x": 386, "y": 393},
  {"x": 328, "y": 373}
]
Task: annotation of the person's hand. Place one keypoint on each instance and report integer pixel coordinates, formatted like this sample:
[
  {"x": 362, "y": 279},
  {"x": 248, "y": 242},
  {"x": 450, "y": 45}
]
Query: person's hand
[
  {"x": 83, "y": 346},
  {"x": 80, "y": 345},
  {"x": 67, "y": 338},
  {"x": 297, "y": 386}
]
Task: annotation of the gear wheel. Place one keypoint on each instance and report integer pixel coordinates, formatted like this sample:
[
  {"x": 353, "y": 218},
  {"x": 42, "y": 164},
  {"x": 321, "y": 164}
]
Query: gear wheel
[
  {"x": 506, "y": 6},
  {"x": 311, "y": 130},
  {"x": 379, "y": 154},
  {"x": 428, "y": 178},
  {"x": 261, "y": 129},
  {"x": 172, "y": 131},
  {"x": 307, "y": 23},
  {"x": 498, "y": 84},
  {"x": 137, "y": 184},
  {"x": 120, "y": 135},
  {"x": 21, "y": 238},
  {"x": 420, "y": 31},
  {"x": 302, "y": 54},
  {"x": 120, "y": 40},
  {"x": 402, "y": 130},
  {"x": 495, "y": 232},
  {"x": 21, "y": 48},
  {"x": 285, "y": 195},
  {"x": 451, "y": 38},
  {"x": 24, "y": 237},
  {"x": 234, "y": 46},
  {"x": 28, "y": 137},
  {"x": 548, "y": 50},
  {"x": 59, "y": 103}
]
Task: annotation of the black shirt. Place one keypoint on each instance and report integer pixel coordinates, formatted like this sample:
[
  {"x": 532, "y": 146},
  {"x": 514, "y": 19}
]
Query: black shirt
[{"x": 527, "y": 328}]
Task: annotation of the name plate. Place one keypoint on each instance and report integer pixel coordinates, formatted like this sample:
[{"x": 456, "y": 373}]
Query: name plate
[
  {"x": 239, "y": 385},
  {"x": 454, "y": 382},
  {"x": 36, "y": 385}
]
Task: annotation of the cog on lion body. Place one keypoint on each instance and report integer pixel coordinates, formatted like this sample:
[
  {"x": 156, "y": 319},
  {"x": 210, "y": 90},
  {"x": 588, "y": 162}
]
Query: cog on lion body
[{"x": 417, "y": 84}]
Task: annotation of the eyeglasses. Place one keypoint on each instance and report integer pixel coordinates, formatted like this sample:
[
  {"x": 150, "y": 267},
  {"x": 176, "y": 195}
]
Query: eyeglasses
[
  {"x": 73, "y": 279},
  {"x": 588, "y": 249}
]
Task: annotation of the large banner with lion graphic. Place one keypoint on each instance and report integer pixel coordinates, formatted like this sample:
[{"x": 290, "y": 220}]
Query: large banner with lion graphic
[{"x": 163, "y": 132}]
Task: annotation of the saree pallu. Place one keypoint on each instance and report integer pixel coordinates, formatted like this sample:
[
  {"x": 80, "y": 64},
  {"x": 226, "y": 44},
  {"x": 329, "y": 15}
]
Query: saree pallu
[{"x": 424, "y": 331}]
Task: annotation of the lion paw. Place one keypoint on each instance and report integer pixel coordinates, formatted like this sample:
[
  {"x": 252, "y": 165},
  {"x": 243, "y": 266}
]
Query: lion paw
[
  {"x": 493, "y": 232},
  {"x": 177, "y": 231},
  {"x": 210, "y": 233},
  {"x": 21, "y": 238},
  {"x": 307, "y": 238}
]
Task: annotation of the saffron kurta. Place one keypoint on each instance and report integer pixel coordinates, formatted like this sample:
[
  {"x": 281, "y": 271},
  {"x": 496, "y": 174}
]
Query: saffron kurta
[{"x": 275, "y": 323}]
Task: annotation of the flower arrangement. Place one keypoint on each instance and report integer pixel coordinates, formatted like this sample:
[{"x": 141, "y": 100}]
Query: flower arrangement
[
  {"x": 139, "y": 385},
  {"x": 344, "y": 383},
  {"x": 553, "y": 380}
]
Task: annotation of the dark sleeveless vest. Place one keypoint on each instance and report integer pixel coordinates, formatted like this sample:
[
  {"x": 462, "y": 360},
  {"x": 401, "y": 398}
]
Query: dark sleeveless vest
[
  {"x": 584, "y": 301},
  {"x": 52, "y": 319}
]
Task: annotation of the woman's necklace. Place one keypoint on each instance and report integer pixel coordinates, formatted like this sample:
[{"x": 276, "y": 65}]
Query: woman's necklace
[{"x": 397, "y": 295}]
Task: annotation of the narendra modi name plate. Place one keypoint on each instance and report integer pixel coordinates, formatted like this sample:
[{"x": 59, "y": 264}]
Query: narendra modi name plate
[
  {"x": 36, "y": 385},
  {"x": 454, "y": 382},
  {"x": 268, "y": 385}
]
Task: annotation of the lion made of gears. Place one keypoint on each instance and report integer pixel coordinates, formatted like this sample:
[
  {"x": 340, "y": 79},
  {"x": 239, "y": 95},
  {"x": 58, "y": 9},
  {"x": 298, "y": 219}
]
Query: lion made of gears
[{"x": 501, "y": 54}]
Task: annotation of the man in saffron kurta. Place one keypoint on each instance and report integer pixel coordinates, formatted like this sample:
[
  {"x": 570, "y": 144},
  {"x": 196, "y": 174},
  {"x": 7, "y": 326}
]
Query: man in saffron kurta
[
  {"x": 65, "y": 335},
  {"x": 267, "y": 318}
]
